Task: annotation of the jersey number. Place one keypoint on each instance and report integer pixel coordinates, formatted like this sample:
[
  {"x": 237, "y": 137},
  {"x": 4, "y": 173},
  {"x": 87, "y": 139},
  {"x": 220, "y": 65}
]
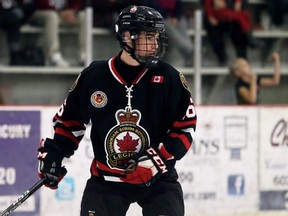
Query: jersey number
[{"x": 191, "y": 112}]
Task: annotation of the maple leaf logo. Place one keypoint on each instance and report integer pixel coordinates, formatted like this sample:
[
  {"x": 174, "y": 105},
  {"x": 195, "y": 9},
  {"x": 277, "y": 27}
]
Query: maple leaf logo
[{"x": 127, "y": 143}]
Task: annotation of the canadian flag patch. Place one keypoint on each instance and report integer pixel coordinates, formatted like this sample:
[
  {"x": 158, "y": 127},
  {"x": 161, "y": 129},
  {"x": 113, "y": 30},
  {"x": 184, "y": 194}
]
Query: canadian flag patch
[{"x": 157, "y": 79}]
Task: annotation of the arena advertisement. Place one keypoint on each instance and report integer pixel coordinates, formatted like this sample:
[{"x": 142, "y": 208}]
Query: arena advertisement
[
  {"x": 273, "y": 158},
  {"x": 19, "y": 139},
  {"x": 236, "y": 166},
  {"x": 220, "y": 169}
]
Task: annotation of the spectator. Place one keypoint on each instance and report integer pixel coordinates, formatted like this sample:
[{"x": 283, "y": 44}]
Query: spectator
[
  {"x": 230, "y": 16},
  {"x": 52, "y": 15},
  {"x": 106, "y": 11},
  {"x": 176, "y": 26},
  {"x": 13, "y": 14},
  {"x": 248, "y": 84},
  {"x": 277, "y": 9}
]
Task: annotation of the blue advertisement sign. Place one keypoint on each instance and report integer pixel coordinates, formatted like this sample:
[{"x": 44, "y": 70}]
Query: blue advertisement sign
[{"x": 19, "y": 141}]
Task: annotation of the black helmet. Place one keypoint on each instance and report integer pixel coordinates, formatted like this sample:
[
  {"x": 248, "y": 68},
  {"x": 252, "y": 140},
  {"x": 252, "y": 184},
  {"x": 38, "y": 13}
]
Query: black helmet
[{"x": 138, "y": 19}]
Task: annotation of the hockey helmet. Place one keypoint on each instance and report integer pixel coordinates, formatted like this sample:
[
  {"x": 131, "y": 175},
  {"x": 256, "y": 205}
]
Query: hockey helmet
[{"x": 142, "y": 19}]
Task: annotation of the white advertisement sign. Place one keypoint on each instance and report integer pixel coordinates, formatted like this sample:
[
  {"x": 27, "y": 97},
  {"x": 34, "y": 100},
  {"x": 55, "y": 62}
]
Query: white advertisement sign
[
  {"x": 274, "y": 158},
  {"x": 237, "y": 165},
  {"x": 219, "y": 174}
]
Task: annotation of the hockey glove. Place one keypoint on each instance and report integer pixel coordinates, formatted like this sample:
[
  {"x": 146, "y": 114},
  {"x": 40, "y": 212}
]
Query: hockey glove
[
  {"x": 146, "y": 169},
  {"x": 50, "y": 164}
]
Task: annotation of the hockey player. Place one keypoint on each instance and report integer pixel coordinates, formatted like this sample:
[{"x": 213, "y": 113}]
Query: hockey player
[{"x": 143, "y": 120}]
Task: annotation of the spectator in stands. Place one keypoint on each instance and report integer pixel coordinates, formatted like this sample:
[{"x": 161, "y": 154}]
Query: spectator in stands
[
  {"x": 13, "y": 14},
  {"x": 248, "y": 83},
  {"x": 176, "y": 26},
  {"x": 277, "y": 9},
  {"x": 52, "y": 15},
  {"x": 106, "y": 11},
  {"x": 230, "y": 16}
]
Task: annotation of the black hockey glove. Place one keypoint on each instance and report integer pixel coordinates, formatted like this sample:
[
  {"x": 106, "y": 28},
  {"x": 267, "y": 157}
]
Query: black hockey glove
[
  {"x": 146, "y": 168},
  {"x": 50, "y": 164}
]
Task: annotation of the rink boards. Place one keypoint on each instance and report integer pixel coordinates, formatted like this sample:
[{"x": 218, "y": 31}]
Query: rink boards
[{"x": 238, "y": 164}]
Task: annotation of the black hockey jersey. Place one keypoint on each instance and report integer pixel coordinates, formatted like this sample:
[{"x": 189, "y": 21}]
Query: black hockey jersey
[{"x": 156, "y": 110}]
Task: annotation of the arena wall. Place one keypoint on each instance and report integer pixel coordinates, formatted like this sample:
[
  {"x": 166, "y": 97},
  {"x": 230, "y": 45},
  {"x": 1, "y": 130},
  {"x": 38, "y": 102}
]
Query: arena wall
[{"x": 237, "y": 165}]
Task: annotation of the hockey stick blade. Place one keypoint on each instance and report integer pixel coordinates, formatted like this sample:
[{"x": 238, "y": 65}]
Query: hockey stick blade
[{"x": 23, "y": 197}]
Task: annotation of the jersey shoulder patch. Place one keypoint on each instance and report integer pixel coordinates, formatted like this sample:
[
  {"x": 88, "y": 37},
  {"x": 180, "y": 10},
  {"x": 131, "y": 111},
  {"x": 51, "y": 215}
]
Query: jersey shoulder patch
[{"x": 184, "y": 81}]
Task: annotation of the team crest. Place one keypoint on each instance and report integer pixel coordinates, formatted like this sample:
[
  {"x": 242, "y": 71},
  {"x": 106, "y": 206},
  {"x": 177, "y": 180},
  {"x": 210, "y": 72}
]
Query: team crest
[
  {"x": 98, "y": 99},
  {"x": 126, "y": 138},
  {"x": 184, "y": 81}
]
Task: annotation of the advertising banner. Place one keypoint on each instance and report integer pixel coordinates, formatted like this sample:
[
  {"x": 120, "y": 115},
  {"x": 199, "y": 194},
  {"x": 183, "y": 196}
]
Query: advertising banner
[
  {"x": 19, "y": 140},
  {"x": 220, "y": 170},
  {"x": 274, "y": 158},
  {"x": 237, "y": 164}
]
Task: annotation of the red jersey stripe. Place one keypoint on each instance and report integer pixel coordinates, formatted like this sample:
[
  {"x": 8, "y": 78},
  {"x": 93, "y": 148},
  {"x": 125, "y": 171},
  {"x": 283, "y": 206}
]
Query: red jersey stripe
[
  {"x": 179, "y": 124},
  {"x": 103, "y": 167},
  {"x": 183, "y": 138},
  {"x": 70, "y": 123},
  {"x": 67, "y": 134}
]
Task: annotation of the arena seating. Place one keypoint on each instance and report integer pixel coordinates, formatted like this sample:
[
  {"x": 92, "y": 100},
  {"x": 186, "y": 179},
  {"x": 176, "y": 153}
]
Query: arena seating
[{"x": 100, "y": 35}]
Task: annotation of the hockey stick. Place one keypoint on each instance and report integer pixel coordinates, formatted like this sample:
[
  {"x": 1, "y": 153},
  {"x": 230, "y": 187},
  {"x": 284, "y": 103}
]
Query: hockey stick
[{"x": 23, "y": 197}]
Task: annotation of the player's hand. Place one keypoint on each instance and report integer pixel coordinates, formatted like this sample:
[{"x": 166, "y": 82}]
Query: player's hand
[
  {"x": 146, "y": 169},
  {"x": 50, "y": 165}
]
